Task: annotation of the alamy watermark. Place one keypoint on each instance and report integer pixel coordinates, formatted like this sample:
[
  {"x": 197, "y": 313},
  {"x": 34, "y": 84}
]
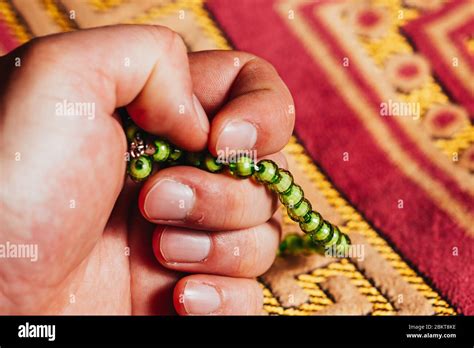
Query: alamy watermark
[
  {"x": 28, "y": 330},
  {"x": 76, "y": 109},
  {"x": 231, "y": 156},
  {"x": 19, "y": 251},
  {"x": 356, "y": 251},
  {"x": 400, "y": 108}
]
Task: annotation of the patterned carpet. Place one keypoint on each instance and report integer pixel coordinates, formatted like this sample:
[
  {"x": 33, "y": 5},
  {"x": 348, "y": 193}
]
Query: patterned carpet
[{"x": 400, "y": 183}]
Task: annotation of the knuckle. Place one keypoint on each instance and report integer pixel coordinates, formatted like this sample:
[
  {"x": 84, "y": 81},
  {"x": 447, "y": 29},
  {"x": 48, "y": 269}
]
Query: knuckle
[
  {"x": 167, "y": 38},
  {"x": 262, "y": 65},
  {"x": 46, "y": 55},
  {"x": 40, "y": 57},
  {"x": 39, "y": 50},
  {"x": 257, "y": 69}
]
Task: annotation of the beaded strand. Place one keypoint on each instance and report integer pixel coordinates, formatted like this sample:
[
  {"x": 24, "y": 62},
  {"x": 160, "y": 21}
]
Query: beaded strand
[{"x": 147, "y": 152}]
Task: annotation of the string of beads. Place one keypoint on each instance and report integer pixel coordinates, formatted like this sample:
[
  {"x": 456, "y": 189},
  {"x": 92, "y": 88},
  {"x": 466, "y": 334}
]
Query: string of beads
[{"x": 148, "y": 152}]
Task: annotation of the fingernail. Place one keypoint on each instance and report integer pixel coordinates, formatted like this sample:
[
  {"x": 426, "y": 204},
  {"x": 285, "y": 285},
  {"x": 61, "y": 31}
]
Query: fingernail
[
  {"x": 169, "y": 200},
  {"x": 200, "y": 298},
  {"x": 237, "y": 135},
  {"x": 184, "y": 246},
  {"x": 202, "y": 117}
]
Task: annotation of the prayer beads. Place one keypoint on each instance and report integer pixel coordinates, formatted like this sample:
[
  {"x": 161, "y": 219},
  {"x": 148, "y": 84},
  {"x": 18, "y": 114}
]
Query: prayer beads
[{"x": 320, "y": 234}]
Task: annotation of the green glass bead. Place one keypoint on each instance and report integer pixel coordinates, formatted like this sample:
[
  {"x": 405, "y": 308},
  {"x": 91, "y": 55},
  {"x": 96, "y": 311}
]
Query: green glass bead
[
  {"x": 332, "y": 238},
  {"x": 131, "y": 131},
  {"x": 309, "y": 245},
  {"x": 267, "y": 172},
  {"x": 322, "y": 233},
  {"x": 175, "y": 155},
  {"x": 301, "y": 210},
  {"x": 211, "y": 164},
  {"x": 292, "y": 243},
  {"x": 284, "y": 181},
  {"x": 194, "y": 158},
  {"x": 162, "y": 150},
  {"x": 140, "y": 168},
  {"x": 293, "y": 196},
  {"x": 312, "y": 222},
  {"x": 243, "y": 167},
  {"x": 343, "y": 244}
]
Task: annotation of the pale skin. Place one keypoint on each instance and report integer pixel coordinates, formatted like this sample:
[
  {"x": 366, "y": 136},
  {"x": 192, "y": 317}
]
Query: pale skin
[{"x": 107, "y": 245}]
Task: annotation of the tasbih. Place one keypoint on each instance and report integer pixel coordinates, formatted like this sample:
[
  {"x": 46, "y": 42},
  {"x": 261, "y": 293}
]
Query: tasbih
[{"x": 148, "y": 153}]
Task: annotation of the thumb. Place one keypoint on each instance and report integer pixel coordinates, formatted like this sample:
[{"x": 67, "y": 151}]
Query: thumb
[{"x": 60, "y": 194}]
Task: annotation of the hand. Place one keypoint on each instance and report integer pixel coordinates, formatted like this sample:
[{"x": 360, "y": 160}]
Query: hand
[{"x": 63, "y": 187}]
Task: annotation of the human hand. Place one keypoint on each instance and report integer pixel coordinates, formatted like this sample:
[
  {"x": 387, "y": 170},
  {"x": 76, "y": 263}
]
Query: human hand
[{"x": 64, "y": 189}]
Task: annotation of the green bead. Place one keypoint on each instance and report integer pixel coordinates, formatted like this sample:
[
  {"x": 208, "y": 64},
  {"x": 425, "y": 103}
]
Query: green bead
[
  {"x": 175, "y": 155},
  {"x": 309, "y": 245},
  {"x": 322, "y": 233},
  {"x": 194, "y": 158},
  {"x": 343, "y": 244},
  {"x": 243, "y": 167},
  {"x": 292, "y": 243},
  {"x": 332, "y": 238},
  {"x": 284, "y": 182},
  {"x": 267, "y": 172},
  {"x": 140, "y": 168},
  {"x": 211, "y": 164},
  {"x": 131, "y": 131},
  {"x": 293, "y": 196},
  {"x": 312, "y": 222},
  {"x": 162, "y": 150},
  {"x": 301, "y": 210}
]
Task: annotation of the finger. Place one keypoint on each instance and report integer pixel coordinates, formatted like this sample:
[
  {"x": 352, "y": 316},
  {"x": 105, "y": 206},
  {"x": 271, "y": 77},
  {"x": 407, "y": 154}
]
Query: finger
[
  {"x": 253, "y": 108},
  {"x": 241, "y": 253},
  {"x": 209, "y": 294},
  {"x": 143, "y": 66},
  {"x": 190, "y": 197}
]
